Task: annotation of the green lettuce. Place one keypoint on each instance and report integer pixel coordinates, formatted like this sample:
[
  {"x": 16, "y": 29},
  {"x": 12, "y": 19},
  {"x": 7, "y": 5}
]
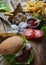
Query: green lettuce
[
  {"x": 44, "y": 30},
  {"x": 11, "y": 59},
  {"x": 3, "y": 6}
]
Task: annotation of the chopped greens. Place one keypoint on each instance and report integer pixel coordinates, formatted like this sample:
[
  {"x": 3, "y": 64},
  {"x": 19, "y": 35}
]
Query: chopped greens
[
  {"x": 8, "y": 57},
  {"x": 44, "y": 30},
  {"x": 24, "y": 40}
]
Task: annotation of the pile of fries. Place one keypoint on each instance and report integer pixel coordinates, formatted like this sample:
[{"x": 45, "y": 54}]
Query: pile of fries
[
  {"x": 35, "y": 9},
  {"x": 36, "y": 6}
]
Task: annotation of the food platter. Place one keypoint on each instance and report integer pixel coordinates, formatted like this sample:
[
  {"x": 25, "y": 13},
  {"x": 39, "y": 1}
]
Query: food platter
[{"x": 34, "y": 31}]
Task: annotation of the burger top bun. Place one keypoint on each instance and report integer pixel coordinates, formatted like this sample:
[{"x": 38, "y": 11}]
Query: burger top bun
[{"x": 11, "y": 45}]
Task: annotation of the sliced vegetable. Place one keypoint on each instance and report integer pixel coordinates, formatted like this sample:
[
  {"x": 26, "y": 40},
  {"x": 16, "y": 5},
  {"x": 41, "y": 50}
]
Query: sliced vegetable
[
  {"x": 38, "y": 34},
  {"x": 29, "y": 33},
  {"x": 32, "y": 33}
]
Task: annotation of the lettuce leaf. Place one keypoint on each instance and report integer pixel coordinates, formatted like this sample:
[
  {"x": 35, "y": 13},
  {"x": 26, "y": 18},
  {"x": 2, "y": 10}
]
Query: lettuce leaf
[
  {"x": 3, "y": 6},
  {"x": 24, "y": 40},
  {"x": 11, "y": 59},
  {"x": 44, "y": 30}
]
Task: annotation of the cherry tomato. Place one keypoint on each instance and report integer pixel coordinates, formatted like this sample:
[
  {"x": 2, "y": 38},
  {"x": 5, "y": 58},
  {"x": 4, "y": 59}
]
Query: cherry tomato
[
  {"x": 38, "y": 34},
  {"x": 29, "y": 33}
]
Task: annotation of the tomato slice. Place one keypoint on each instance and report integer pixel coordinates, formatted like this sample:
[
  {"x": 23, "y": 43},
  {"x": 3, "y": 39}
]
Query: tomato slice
[
  {"x": 29, "y": 33},
  {"x": 38, "y": 34}
]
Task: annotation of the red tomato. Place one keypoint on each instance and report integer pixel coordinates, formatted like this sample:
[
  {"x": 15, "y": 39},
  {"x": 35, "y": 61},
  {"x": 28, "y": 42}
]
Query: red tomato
[
  {"x": 29, "y": 33},
  {"x": 38, "y": 34}
]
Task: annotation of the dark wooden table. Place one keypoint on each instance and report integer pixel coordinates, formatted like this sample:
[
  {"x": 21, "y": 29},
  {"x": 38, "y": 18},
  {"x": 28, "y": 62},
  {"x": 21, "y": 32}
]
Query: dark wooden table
[{"x": 38, "y": 47}]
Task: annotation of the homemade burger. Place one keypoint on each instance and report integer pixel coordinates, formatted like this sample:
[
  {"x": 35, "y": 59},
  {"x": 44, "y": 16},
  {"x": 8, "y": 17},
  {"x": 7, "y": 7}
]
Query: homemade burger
[{"x": 17, "y": 50}]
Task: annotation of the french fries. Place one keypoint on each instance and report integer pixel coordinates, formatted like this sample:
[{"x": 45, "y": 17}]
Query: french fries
[
  {"x": 37, "y": 6},
  {"x": 10, "y": 13},
  {"x": 34, "y": 6},
  {"x": 30, "y": 3}
]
